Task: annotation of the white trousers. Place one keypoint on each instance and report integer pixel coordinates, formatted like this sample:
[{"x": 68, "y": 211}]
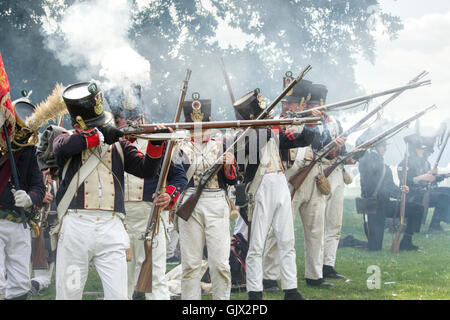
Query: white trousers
[
  {"x": 15, "y": 255},
  {"x": 98, "y": 236},
  {"x": 272, "y": 209},
  {"x": 44, "y": 276},
  {"x": 333, "y": 216},
  {"x": 311, "y": 203},
  {"x": 173, "y": 238},
  {"x": 209, "y": 224},
  {"x": 136, "y": 222}
]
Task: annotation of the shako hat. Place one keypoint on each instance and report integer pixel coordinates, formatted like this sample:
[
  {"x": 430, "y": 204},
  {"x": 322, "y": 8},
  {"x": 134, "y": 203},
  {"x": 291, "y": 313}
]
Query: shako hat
[
  {"x": 299, "y": 91},
  {"x": 85, "y": 104},
  {"x": 23, "y": 110},
  {"x": 197, "y": 110},
  {"x": 428, "y": 142},
  {"x": 318, "y": 95},
  {"x": 125, "y": 103},
  {"x": 250, "y": 106},
  {"x": 415, "y": 140}
]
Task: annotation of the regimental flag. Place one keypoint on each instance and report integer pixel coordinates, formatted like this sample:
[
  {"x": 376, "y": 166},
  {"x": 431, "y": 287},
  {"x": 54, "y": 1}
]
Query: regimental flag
[{"x": 6, "y": 107}]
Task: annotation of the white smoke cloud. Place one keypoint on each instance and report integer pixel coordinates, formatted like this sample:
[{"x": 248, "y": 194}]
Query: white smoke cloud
[
  {"x": 93, "y": 37},
  {"x": 422, "y": 45}
]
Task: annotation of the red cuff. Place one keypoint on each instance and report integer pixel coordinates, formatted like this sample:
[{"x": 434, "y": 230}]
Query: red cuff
[
  {"x": 334, "y": 154},
  {"x": 92, "y": 138},
  {"x": 290, "y": 135},
  {"x": 233, "y": 173},
  {"x": 155, "y": 151},
  {"x": 174, "y": 194}
]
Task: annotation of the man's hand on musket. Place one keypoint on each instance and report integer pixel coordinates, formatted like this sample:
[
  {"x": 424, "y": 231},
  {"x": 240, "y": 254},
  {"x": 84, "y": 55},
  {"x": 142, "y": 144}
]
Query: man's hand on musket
[
  {"x": 318, "y": 113},
  {"x": 48, "y": 198},
  {"x": 340, "y": 142},
  {"x": 428, "y": 177},
  {"x": 161, "y": 129},
  {"x": 228, "y": 160},
  {"x": 405, "y": 189},
  {"x": 163, "y": 200}
]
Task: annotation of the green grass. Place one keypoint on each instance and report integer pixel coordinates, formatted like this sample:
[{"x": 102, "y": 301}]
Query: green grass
[{"x": 413, "y": 275}]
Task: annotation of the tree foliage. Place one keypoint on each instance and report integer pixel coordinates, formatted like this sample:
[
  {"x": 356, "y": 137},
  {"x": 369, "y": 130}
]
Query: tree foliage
[{"x": 177, "y": 34}]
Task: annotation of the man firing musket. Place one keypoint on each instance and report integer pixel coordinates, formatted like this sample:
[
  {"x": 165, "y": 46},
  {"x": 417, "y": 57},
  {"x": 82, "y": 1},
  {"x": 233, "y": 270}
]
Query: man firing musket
[
  {"x": 209, "y": 221},
  {"x": 377, "y": 187},
  {"x": 421, "y": 176},
  {"x": 127, "y": 105},
  {"x": 92, "y": 162}
]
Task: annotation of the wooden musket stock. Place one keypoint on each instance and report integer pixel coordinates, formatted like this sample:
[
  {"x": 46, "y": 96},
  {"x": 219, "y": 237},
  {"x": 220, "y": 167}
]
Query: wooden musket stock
[
  {"x": 145, "y": 279},
  {"x": 39, "y": 253}
]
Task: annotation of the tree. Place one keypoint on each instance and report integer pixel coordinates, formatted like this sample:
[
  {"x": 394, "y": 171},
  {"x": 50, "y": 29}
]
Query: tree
[
  {"x": 29, "y": 64},
  {"x": 173, "y": 35}
]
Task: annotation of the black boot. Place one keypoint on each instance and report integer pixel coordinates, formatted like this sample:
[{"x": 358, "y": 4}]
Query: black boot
[
  {"x": 34, "y": 288},
  {"x": 270, "y": 285},
  {"x": 407, "y": 245},
  {"x": 292, "y": 294},
  {"x": 255, "y": 295},
  {"x": 138, "y": 296},
  {"x": 318, "y": 283},
  {"x": 329, "y": 272}
]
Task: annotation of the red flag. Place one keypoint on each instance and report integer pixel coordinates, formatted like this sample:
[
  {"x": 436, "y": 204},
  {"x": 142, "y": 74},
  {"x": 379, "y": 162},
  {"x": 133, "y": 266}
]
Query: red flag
[{"x": 6, "y": 107}]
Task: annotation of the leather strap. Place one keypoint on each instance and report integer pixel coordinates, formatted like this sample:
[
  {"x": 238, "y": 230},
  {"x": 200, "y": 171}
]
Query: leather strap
[{"x": 82, "y": 174}]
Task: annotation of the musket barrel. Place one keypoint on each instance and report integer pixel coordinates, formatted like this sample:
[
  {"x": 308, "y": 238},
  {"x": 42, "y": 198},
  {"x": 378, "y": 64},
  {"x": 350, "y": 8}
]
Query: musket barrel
[
  {"x": 364, "y": 98},
  {"x": 384, "y": 135},
  {"x": 149, "y": 128},
  {"x": 441, "y": 151},
  {"x": 331, "y": 145}
]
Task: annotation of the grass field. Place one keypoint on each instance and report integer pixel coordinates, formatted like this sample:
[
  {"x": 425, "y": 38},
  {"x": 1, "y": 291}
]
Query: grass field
[{"x": 421, "y": 275}]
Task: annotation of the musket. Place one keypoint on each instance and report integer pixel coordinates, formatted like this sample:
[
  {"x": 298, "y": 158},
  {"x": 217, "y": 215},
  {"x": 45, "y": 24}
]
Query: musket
[
  {"x": 337, "y": 105},
  {"x": 300, "y": 175},
  {"x": 185, "y": 210},
  {"x": 39, "y": 253},
  {"x": 377, "y": 139},
  {"x": 396, "y": 242},
  {"x": 444, "y": 144},
  {"x": 144, "y": 283},
  {"x": 14, "y": 172},
  {"x": 192, "y": 126},
  {"x": 227, "y": 81},
  {"x": 426, "y": 196}
]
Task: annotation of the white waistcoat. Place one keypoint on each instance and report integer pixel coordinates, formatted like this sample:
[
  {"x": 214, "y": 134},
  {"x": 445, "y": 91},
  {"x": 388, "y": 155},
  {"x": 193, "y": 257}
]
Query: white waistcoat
[
  {"x": 202, "y": 156},
  {"x": 134, "y": 186},
  {"x": 99, "y": 191}
]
